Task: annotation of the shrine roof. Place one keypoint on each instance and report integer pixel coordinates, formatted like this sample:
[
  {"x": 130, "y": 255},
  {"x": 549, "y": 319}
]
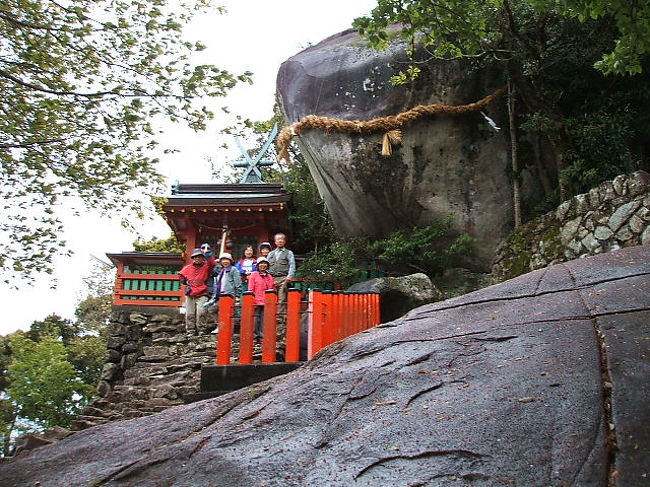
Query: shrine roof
[
  {"x": 227, "y": 194},
  {"x": 145, "y": 257}
]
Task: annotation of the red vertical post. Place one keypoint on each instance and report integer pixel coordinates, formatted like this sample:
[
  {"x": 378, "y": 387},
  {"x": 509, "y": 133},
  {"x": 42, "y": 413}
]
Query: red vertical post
[
  {"x": 335, "y": 321},
  {"x": 292, "y": 352},
  {"x": 376, "y": 309},
  {"x": 344, "y": 316},
  {"x": 367, "y": 323},
  {"x": 354, "y": 314},
  {"x": 343, "y": 319},
  {"x": 224, "y": 337},
  {"x": 315, "y": 331},
  {"x": 119, "y": 282},
  {"x": 246, "y": 328},
  {"x": 326, "y": 314},
  {"x": 270, "y": 326}
]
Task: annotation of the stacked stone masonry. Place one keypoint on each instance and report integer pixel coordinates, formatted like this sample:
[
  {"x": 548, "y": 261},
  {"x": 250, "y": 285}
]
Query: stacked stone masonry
[
  {"x": 613, "y": 215},
  {"x": 151, "y": 365}
]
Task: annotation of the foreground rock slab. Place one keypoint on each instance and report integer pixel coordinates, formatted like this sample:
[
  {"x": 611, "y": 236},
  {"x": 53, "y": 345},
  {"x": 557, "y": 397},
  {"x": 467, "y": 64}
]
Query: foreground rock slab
[{"x": 543, "y": 380}]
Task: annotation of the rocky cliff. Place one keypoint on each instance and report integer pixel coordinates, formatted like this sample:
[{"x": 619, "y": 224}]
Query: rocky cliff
[
  {"x": 611, "y": 216},
  {"x": 444, "y": 165},
  {"x": 539, "y": 381}
]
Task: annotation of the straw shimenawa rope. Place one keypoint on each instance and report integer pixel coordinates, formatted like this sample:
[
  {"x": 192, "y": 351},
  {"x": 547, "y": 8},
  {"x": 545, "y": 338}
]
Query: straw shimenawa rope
[{"x": 390, "y": 125}]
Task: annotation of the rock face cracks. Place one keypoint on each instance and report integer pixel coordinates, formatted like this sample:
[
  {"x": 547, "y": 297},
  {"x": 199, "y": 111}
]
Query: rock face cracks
[{"x": 542, "y": 380}]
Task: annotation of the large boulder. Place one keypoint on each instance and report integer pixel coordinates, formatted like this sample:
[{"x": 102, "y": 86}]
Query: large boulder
[
  {"x": 539, "y": 381},
  {"x": 398, "y": 295},
  {"x": 445, "y": 165}
]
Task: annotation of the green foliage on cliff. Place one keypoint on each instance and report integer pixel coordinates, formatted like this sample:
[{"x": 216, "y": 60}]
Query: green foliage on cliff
[
  {"x": 596, "y": 120},
  {"x": 455, "y": 28},
  {"x": 429, "y": 249}
]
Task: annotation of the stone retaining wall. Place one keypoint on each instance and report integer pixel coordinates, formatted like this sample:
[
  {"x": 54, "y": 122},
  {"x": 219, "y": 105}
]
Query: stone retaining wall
[
  {"x": 150, "y": 365},
  {"x": 613, "y": 215}
]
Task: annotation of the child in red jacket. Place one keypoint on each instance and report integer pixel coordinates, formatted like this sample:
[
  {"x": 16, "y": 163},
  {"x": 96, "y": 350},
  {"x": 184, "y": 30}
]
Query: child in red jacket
[{"x": 259, "y": 282}]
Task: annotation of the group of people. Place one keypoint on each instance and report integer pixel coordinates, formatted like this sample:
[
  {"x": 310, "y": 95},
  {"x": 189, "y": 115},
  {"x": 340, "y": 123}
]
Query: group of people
[{"x": 206, "y": 278}]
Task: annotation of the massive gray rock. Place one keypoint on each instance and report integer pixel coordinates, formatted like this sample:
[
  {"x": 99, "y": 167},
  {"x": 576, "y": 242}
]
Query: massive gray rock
[
  {"x": 445, "y": 165},
  {"x": 539, "y": 381}
]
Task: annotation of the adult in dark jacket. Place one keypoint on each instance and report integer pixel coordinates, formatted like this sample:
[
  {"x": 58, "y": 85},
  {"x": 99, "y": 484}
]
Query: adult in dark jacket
[{"x": 227, "y": 279}]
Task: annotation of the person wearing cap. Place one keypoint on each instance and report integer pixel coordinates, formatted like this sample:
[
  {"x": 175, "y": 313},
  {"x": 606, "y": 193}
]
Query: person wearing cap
[
  {"x": 265, "y": 248},
  {"x": 259, "y": 282},
  {"x": 226, "y": 279},
  {"x": 208, "y": 251},
  {"x": 194, "y": 277}
]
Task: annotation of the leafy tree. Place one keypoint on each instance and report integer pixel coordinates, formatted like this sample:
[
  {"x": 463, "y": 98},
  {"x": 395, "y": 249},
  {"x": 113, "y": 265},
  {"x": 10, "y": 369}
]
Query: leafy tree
[
  {"x": 8, "y": 417},
  {"x": 5, "y": 358},
  {"x": 43, "y": 384},
  {"x": 312, "y": 225},
  {"x": 336, "y": 261},
  {"x": 82, "y": 83},
  {"x": 429, "y": 249},
  {"x": 169, "y": 244},
  {"x": 456, "y": 28},
  {"x": 53, "y": 326},
  {"x": 71, "y": 352},
  {"x": 87, "y": 350},
  {"x": 92, "y": 314},
  {"x": 87, "y": 356}
]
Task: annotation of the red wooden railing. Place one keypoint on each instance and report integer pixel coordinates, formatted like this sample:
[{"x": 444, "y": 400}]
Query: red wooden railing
[{"x": 329, "y": 316}]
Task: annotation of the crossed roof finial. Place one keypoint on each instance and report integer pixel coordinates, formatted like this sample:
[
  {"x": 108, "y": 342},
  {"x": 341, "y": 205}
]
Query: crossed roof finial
[{"x": 253, "y": 165}]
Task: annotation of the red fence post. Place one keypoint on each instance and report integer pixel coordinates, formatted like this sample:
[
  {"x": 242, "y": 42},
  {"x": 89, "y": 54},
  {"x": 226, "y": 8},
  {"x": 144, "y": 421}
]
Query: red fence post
[
  {"x": 354, "y": 313},
  {"x": 246, "y": 328},
  {"x": 292, "y": 352},
  {"x": 376, "y": 309},
  {"x": 335, "y": 320},
  {"x": 315, "y": 340},
  {"x": 365, "y": 301},
  {"x": 326, "y": 319},
  {"x": 344, "y": 315},
  {"x": 224, "y": 337},
  {"x": 270, "y": 326}
]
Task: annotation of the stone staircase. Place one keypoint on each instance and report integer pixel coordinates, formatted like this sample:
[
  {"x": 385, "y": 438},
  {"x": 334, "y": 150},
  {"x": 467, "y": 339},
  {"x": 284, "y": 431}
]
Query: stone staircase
[{"x": 152, "y": 365}]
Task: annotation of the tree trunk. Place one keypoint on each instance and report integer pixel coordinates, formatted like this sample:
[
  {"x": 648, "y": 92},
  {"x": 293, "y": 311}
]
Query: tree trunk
[
  {"x": 540, "y": 166},
  {"x": 558, "y": 137},
  {"x": 516, "y": 176}
]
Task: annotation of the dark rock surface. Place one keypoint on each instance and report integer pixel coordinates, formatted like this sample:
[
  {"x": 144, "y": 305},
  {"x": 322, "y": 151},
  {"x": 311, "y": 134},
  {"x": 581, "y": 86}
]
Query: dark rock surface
[
  {"x": 445, "y": 165},
  {"x": 540, "y": 381}
]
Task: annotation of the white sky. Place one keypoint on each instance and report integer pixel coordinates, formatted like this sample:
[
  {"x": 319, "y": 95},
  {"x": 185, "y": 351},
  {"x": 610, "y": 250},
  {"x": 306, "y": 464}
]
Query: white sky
[{"x": 255, "y": 35}]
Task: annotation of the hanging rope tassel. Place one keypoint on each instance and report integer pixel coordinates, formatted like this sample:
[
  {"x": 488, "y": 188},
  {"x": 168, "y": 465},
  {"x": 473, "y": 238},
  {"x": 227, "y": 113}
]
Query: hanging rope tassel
[{"x": 391, "y": 138}]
